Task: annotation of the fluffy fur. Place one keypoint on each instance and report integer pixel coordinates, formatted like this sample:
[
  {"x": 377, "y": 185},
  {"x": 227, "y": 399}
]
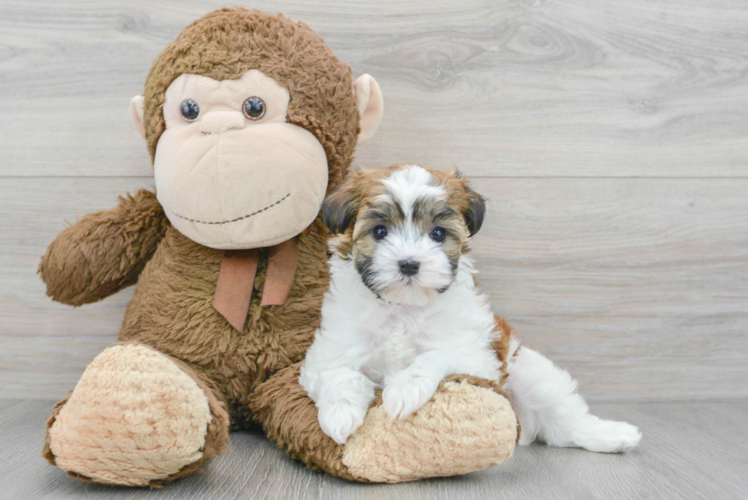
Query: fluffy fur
[
  {"x": 99, "y": 255},
  {"x": 551, "y": 410},
  {"x": 249, "y": 377},
  {"x": 171, "y": 311},
  {"x": 385, "y": 328}
]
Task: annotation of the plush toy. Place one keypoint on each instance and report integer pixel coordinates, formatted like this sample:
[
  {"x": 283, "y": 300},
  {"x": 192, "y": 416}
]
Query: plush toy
[{"x": 250, "y": 120}]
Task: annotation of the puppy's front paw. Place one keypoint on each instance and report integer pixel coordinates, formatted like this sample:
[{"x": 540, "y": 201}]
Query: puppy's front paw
[
  {"x": 406, "y": 395},
  {"x": 339, "y": 419}
]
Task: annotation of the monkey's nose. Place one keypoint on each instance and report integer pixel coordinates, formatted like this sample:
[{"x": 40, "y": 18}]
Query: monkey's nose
[
  {"x": 216, "y": 122},
  {"x": 409, "y": 267}
]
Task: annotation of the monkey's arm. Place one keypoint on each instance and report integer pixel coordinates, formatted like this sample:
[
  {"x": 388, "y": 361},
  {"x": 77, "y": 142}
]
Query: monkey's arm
[{"x": 104, "y": 251}]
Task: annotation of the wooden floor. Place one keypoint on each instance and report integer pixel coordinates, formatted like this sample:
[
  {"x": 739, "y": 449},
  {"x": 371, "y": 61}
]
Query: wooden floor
[{"x": 689, "y": 450}]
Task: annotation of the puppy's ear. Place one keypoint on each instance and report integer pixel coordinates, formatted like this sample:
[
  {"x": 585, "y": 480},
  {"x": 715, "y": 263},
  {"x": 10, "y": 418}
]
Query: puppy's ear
[
  {"x": 475, "y": 212},
  {"x": 340, "y": 207}
]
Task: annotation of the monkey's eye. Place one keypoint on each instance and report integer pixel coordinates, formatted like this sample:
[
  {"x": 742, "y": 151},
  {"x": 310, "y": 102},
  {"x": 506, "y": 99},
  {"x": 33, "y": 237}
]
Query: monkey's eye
[
  {"x": 438, "y": 234},
  {"x": 190, "y": 110},
  {"x": 379, "y": 232},
  {"x": 254, "y": 108}
]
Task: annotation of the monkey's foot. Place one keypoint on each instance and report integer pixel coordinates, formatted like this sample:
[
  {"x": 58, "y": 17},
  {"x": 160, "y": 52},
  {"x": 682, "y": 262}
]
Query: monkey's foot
[
  {"x": 136, "y": 418},
  {"x": 468, "y": 425}
]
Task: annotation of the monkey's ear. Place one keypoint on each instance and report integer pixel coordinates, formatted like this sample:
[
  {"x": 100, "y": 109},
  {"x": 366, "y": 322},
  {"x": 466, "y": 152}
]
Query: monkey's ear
[
  {"x": 475, "y": 212},
  {"x": 136, "y": 113},
  {"x": 370, "y": 106},
  {"x": 340, "y": 207}
]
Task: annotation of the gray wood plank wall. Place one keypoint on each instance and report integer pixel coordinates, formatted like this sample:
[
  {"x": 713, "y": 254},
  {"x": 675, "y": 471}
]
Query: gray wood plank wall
[{"x": 610, "y": 137}]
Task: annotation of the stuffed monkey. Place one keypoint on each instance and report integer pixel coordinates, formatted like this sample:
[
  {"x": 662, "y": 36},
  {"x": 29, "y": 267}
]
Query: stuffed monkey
[{"x": 250, "y": 120}]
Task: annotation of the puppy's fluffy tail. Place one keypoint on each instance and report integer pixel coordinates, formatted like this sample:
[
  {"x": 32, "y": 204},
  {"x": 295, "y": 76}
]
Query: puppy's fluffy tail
[{"x": 550, "y": 409}]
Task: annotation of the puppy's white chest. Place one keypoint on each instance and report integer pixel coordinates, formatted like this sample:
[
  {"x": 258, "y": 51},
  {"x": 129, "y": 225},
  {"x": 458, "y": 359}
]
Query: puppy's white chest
[
  {"x": 393, "y": 346},
  {"x": 399, "y": 343}
]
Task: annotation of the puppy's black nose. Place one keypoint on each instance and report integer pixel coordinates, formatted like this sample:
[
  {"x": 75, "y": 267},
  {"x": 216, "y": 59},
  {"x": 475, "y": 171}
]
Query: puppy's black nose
[{"x": 409, "y": 267}]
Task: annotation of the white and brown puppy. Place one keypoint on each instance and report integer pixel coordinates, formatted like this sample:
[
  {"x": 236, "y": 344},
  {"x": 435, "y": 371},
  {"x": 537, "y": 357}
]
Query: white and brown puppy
[{"x": 403, "y": 313}]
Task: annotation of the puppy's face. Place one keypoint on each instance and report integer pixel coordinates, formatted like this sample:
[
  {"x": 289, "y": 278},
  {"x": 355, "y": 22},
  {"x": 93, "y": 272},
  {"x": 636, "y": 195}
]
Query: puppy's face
[{"x": 405, "y": 228}]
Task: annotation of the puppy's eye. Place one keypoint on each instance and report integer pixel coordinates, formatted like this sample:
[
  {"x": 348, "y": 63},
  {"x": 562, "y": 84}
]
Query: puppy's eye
[
  {"x": 190, "y": 110},
  {"x": 379, "y": 232},
  {"x": 254, "y": 108},
  {"x": 438, "y": 234}
]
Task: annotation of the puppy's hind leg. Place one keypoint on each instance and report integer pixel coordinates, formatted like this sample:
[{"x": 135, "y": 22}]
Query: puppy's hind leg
[{"x": 550, "y": 409}]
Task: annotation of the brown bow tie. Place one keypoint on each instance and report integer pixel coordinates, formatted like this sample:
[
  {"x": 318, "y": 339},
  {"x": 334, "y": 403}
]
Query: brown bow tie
[{"x": 237, "y": 276}]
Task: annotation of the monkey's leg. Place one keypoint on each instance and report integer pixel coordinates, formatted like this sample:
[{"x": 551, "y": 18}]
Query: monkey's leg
[
  {"x": 138, "y": 418},
  {"x": 468, "y": 425}
]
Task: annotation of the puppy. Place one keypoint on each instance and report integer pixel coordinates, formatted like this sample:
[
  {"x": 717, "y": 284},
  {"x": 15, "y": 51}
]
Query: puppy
[{"x": 403, "y": 312}]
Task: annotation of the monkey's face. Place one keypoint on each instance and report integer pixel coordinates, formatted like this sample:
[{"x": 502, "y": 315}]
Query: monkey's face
[{"x": 231, "y": 173}]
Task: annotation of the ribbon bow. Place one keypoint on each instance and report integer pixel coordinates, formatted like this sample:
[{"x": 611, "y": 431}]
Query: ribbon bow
[{"x": 237, "y": 276}]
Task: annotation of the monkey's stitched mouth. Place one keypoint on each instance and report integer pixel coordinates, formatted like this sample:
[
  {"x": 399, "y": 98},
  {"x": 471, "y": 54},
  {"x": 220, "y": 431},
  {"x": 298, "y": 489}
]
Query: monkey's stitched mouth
[{"x": 232, "y": 220}]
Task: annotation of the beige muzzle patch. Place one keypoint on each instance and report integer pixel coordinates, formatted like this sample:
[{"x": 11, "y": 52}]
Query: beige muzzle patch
[
  {"x": 232, "y": 182},
  {"x": 243, "y": 188}
]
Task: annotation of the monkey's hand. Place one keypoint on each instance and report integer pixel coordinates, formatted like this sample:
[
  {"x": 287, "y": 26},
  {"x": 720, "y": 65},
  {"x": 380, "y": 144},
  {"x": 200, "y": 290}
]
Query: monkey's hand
[{"x": 104, "y": 251}]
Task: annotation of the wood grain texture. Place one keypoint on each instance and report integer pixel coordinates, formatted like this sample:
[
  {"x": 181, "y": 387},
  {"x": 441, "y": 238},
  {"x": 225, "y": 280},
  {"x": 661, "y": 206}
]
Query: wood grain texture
[
  {"x": 501, "y": 88},
  {"x": 44, "y": 346},
  {"x": 638, "y": 286},
  {"x": 611, "y": 138},
  {"x": 689, "y": 451}
]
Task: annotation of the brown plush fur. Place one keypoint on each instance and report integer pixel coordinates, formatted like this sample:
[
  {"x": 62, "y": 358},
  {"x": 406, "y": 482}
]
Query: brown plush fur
[
  {"x": 281, "y": 400},
  {"x": 172, "y": 312},
  {"x": 172, "y": 308},
  {"x": 241, "y": 373},
  {"x": 105, "y": 251}
]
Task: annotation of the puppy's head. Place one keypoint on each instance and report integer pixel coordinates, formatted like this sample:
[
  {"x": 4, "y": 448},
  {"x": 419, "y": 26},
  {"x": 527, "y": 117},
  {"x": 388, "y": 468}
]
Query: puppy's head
[{"x": 405, "y": 228}]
